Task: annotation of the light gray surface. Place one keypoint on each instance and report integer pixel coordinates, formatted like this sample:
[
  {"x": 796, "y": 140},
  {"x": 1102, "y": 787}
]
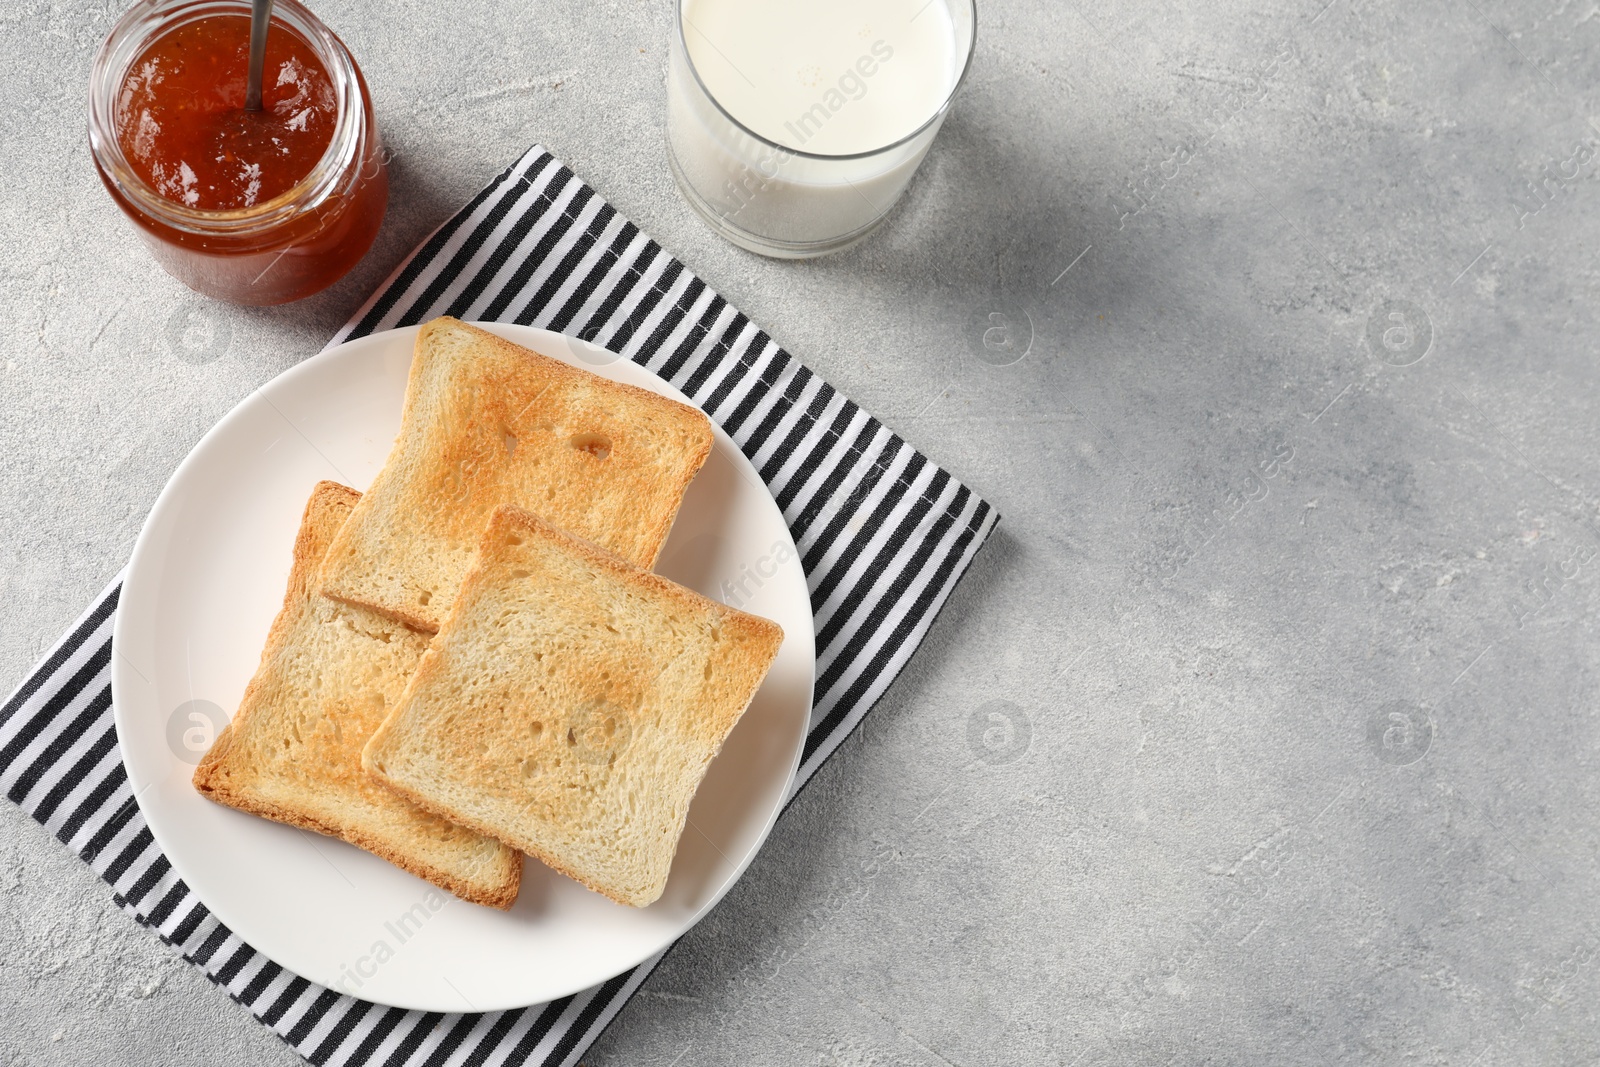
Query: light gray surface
[{"x": 1209, "y": 849}]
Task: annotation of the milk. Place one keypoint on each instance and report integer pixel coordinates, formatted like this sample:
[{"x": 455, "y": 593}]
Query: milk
[
  {"x": 832, "y": 77},
  {"x": 819, "y": 79}
]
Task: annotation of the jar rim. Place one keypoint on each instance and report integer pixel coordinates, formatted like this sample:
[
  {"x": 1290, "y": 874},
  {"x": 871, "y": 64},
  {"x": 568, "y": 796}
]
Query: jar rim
[{"x": 148, "y": 21}]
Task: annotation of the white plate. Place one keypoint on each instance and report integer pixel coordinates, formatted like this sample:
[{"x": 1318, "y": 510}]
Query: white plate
[{"x": 206, "y": 579}]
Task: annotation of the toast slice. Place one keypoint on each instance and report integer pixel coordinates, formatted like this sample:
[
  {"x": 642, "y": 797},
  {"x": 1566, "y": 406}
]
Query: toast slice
[
  {"x": 487, "y": 423},
  {"x": 571, "y": 705},
  {"x": 292, "y": 753}
]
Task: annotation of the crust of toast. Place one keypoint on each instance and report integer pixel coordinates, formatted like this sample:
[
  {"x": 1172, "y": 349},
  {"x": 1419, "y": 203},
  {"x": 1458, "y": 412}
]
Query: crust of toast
[
  {"x": 322, "y": 788},
  {"x": 487, "y": 422},
  {"x": 500, "y": 896},
  {"x": 529, "y": 722}
]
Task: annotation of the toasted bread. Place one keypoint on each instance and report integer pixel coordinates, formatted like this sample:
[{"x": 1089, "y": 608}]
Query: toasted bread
[
  {"x": 292, "y": 753},
  {"x": 571, "y": 705},
  {"x": 486, "y": 423}
]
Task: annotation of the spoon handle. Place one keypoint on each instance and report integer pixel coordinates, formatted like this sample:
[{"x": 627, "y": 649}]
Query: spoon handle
[{"x": 260, "y": 16}]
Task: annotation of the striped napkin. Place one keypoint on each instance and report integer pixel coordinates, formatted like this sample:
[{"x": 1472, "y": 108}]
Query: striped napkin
[{"x": 884, "y": 537}]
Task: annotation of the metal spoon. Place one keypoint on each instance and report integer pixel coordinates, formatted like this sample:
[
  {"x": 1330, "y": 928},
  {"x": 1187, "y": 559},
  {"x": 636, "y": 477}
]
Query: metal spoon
[{"x": 260, "y": 16}]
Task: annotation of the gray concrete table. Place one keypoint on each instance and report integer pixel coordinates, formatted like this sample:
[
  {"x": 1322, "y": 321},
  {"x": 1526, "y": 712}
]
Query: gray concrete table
[{"x": 1264, "y": 731}]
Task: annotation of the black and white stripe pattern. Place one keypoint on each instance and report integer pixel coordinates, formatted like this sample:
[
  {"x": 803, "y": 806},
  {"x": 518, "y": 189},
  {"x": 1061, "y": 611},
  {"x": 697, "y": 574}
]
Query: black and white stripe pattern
[{"x": 884, "y": 536}]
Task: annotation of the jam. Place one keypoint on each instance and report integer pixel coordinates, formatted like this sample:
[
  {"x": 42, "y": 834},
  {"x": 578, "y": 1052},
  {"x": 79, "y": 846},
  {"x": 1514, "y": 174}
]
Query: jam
[
  {"x": 254, "y": 207},
  {"x": 183, "y": 126}
]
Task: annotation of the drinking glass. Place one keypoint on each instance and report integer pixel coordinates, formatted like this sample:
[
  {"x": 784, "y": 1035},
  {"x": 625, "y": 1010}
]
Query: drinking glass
[{"x": 773, "y": 196}]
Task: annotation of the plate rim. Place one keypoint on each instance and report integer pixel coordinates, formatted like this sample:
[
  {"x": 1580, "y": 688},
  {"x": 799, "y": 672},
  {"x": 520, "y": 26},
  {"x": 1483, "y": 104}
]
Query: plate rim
[{"x": 133, "y": 581}]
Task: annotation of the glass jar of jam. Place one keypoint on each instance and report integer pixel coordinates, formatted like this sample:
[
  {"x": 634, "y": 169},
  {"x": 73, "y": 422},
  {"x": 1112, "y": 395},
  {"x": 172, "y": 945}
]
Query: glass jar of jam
[{"x": 253, "y": 207}]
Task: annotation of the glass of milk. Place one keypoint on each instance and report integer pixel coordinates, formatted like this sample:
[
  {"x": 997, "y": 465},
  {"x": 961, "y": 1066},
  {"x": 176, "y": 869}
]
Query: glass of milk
[{"x": 793, "y": 126}]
